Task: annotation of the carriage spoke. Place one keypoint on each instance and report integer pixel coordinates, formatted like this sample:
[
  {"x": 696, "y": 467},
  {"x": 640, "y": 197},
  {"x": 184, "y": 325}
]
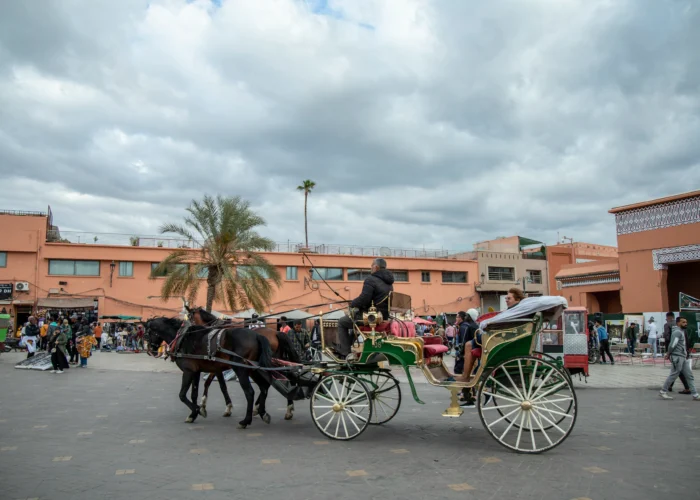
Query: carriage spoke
[
  {"x": 551, "y": 390},
  {"x": 318, "y": 417},
  {"x": 353, "y": 422},
  {"x": 522, "y": 379},
  {"x": 327, "y": 396},
  {"x": 512, "y": 394},
  {"x": 550, "y": 411},
  {"x": 504, "y": 417},
  {"x": 520, "y": 429},
  {"x": 502, "y": 407},
  {"x": 506, "y": 398},
  {"x": 330, "y": 420},
  {"x": 552, "y": 401},
  {"x": 539, "y": 423},
  {"x": 359, "y": 396},
  {"x": 345, "y": 428},
  {"x": 337, "y": 425},
  {"x": 360, "y": 417},
  {"x": 503, "y": 368},
  {"x": 550, "y": 422},
  {"x": 509, "y": 426},
  {"x": 532, "y": 380},
  {"x": 532, "y": 434}
]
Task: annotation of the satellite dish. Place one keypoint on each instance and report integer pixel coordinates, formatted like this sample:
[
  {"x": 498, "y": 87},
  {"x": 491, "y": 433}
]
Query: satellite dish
[{"x": 385, "y": 252}]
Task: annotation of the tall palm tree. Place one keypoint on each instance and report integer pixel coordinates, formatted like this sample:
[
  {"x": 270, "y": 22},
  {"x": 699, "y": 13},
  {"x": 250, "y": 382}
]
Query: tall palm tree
[
  {"x": 306, "y": 186},
  {"x": 224, "y": 230}
]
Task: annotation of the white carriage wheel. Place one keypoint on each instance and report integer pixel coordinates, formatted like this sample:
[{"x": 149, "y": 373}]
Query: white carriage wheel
[
  {"x": 530, "y": 394},
  {"x": 562, "y": 407},
  {"x": 386, "y": 397},
  {"x": 341, "y": 406}
]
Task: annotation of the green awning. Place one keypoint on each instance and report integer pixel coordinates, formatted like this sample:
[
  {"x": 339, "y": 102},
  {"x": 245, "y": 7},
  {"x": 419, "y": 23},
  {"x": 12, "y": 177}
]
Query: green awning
[
  {"x": 526, "y": 242},
  {"x": 120, "y": 317}
]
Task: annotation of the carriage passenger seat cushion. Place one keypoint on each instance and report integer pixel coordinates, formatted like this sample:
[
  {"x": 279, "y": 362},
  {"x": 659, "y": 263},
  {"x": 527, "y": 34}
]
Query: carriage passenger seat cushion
[
  {"x": 431, "y": 350},
  {"x": 432, "y": 340},
  {"x": 383, "y": 327}
]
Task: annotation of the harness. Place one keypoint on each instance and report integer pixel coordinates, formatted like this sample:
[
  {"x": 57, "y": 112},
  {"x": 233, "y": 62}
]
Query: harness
[{"x": 214, "y": 348}]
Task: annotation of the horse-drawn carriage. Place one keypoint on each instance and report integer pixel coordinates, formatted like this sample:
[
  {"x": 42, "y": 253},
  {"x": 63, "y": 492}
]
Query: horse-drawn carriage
[{"x": 525, "y": 399}]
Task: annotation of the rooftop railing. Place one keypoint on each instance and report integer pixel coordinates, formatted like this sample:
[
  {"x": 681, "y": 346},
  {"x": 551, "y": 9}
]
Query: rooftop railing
[
  {"x": 28, "y": 213},
  {"x": 88, "y": 238}
]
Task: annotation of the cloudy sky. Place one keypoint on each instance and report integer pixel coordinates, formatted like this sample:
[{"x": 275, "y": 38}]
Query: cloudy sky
[{"x": 425, "y": 123}]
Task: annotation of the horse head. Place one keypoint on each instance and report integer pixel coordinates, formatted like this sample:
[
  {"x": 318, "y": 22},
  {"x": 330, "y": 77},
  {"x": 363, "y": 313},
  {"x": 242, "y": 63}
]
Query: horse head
[
  {"x": 161, "y": 329},
  {"x": 202, "y": 317}
]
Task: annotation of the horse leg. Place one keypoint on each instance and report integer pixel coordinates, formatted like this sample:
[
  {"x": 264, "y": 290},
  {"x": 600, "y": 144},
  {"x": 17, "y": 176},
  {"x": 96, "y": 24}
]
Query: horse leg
[
  {"x": 195, "y": 395},
  {"x": 207, "y": 383},
  {"x": 244, "y": 380},
  {"x": 256, "y": 407},
  {"x": 290, "y": 410},
  {"x": 264, "y": 386},
  {"x": 186, "y": 383},
  {"x": 224, "y": 390}
]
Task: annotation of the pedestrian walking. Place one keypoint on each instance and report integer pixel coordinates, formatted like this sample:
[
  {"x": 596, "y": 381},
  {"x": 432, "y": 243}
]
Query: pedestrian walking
[
  {"x": 43, "y": 332},
  {"x": 631, "y": 337},
  {"x": 85, "y": 344},
  {"x": 603, "y": 342},
  {"x": 678, "y": 355},
  {"x": 57, "y": 344},
  {"x": 668, "y": 328},
  {"x": 299, "y": 338},
  {"x": 98, "y": 335},
  {"x": 652, "y": 337}
]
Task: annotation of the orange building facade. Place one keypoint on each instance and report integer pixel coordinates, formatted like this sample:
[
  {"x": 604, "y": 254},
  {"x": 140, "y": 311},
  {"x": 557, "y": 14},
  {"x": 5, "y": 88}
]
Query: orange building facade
[
  {"x": 658, "y": 258},
  {"x": 45, "y": 271}
]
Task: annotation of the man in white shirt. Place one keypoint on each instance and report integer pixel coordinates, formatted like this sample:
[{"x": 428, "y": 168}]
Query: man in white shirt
[{"x": 653, "y": 336}]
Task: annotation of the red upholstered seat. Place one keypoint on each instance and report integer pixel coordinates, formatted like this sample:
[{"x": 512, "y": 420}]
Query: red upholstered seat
[
  {"x": 431, "y": 350},
  {"x": 434, "y": 339}
]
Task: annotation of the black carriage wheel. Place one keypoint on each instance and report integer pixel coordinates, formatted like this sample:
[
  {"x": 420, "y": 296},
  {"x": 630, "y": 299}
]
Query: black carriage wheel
[
  {"x": 386, "y": 396},
  {"x": 528, "y": 402},
  {"x": 341, "y": 406}
]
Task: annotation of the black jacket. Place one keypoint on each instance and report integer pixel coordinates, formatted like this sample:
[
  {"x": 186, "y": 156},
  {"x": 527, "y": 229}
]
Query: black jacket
[
  {"x": 31, "y": 330},
  {"x": 376, "y": 290}
]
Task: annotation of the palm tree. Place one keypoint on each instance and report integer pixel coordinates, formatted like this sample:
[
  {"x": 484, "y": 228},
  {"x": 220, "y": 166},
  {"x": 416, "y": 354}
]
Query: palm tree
[
  {"x": 224, "y": 229},
  {"x": 307, "y": 186}
]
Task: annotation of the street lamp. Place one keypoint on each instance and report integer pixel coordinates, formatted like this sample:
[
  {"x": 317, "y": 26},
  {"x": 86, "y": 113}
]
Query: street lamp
[{"x": 111, "y": 272}]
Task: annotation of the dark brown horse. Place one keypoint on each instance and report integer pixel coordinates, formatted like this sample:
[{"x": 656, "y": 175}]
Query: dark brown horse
[
  {"x": 245, "y": 345},
  {"x": 281, "y": 348}
]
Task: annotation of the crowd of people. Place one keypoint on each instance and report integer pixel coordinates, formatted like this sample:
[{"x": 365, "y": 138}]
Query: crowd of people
[{"x": 69, "y": 340}]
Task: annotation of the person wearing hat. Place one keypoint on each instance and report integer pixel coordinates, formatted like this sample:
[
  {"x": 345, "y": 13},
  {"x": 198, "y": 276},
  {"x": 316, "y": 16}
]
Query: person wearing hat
[{"x": 653, "y": 336}]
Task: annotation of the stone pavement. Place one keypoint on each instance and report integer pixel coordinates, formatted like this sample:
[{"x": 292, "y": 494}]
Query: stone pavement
[
  {"x": 619, "y": 376},
  {"x": 107, "y": 434}
]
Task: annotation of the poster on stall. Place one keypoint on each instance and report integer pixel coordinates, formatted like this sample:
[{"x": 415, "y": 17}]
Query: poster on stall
[
  {"x": 635, "y": 318},
  {"x": 615, "y": 328}
]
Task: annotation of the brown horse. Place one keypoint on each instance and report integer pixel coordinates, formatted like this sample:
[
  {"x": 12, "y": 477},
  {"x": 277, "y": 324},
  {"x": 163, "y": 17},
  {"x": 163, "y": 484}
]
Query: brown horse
[
  {"x": 281, "y": 348},
  {"x": 241, "y": 345}
]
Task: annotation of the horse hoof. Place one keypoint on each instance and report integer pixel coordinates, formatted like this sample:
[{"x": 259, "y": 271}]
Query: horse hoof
[
  {"x": 266, "y": 418},
  {"x": 242, "y": 426},
  {"x": 227, "y": 414},
  {"x": 189, "y": 420},
  {"x": 288, "y": 416}
]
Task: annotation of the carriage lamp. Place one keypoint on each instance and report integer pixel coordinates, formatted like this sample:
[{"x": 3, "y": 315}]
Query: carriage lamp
[{"x": 111, "y": 272}]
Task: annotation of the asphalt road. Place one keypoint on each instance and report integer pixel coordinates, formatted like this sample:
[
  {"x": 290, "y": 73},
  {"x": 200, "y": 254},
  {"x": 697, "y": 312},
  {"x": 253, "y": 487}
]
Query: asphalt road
[{"x": 95, "y": 434}]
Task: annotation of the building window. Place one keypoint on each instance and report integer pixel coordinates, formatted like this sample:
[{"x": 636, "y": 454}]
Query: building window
[
  {"x": 401, "y": 276},
  {"x": 3, "y": 259},
  {"x": 247, "y": 271},
  {"x": 126, "y": 269},
  {"x": 292, "y": 273},
  {"x": 203, "y": 273},
  {"x": 358, "y": 274},
  {"x": 327, "y": 273},
  {"x": 167, "y": 272},
  {"x": 425, "y": 276},
  {"x": 454, "y": 276},
  {"x": 501, "y": 273},
  {"x": 535, "y": 276},
  {"x": 74, "y": 267}
]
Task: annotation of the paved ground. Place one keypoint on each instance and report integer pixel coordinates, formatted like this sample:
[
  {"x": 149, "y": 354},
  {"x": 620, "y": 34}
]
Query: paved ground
[{"x": 117, "y": 434}]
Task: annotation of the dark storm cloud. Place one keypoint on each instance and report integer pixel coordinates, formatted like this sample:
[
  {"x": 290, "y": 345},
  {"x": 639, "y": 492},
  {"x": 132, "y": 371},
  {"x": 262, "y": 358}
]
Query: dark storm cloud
[{"x": 444, "y": 124}]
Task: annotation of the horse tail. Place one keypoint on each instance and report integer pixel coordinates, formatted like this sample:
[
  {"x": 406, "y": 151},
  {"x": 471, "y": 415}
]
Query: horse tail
[
  {"x": 265, "y": 358},
  {"x": 286, "y": 349}
]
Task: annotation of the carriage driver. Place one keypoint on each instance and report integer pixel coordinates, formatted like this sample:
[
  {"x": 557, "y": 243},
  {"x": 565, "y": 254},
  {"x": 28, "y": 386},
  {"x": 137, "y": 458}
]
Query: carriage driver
[{"x": 376, "y": 290}]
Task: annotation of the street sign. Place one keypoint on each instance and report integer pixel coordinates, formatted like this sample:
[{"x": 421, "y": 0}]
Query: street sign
[{"x": 5, "y": 291}]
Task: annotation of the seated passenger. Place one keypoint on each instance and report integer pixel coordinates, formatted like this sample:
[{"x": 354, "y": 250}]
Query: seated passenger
[
  {"x": 376, "y": 290},
  {"x": 472, "y": 351}
]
